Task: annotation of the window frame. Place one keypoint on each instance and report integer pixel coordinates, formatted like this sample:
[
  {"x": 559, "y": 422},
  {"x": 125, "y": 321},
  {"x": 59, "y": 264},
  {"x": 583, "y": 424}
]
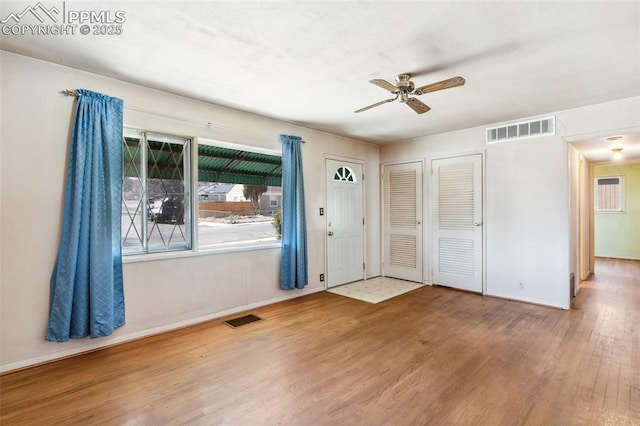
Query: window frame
[
  {"x": 596, "y": 194},
  {"x": 190, "y": 176},
  {"x": 230, "y": 246},
  {"x": 187, "y": 171}
]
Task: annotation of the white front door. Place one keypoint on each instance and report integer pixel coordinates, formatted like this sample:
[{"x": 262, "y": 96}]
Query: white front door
[
  {"x": 345, "y": 223},
  {"x": 403, "y": 221},
  {"x": 457, "y": 222}
]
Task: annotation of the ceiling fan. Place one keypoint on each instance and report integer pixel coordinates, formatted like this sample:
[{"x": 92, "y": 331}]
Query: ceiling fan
[{"x": 405, "y": 87}]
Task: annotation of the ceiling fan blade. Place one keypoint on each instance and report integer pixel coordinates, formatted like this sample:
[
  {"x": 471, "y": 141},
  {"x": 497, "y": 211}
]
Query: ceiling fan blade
[
  {"x": 384, "y": 84},
  {"x": 376, "y": 104},
  {"x": 441, "y": 85},
  {"x": 417, "y": 105}
]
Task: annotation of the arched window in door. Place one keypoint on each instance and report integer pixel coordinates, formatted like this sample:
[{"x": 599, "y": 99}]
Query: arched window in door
[{"x": 344, "y": 174}]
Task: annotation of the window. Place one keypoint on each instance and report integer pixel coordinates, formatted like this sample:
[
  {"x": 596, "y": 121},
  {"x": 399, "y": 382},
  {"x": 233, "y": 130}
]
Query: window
[
  {"x": 344, "y": 174},
  {"x": 237, "y": 189},
  {"x": 238, "y": 194},
  {"x": 155, "y": 193},
  {"x": 608, "y": 194}
]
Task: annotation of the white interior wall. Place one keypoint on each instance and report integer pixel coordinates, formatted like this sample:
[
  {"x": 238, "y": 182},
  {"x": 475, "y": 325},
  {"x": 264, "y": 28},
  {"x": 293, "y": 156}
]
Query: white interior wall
[
  {"x": 161, "y": 294},
  {"x": 528, "y": 221},
  {"x": 527, "y": 197},
  {"x": 598, "y": 120}
]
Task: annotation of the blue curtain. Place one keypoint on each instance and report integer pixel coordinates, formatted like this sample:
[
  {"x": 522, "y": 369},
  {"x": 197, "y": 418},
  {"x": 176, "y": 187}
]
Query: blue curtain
[
  {"x": 293, "y": 268},
  {"x": 87, "y": 297}
]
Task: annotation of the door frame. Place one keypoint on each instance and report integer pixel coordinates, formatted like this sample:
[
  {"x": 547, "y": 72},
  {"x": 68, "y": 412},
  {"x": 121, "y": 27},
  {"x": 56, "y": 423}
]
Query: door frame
[
  {"x": 362, "y": 163},
  {"x": 483, "y": 200},
  {"x": 591, "y": 206}
]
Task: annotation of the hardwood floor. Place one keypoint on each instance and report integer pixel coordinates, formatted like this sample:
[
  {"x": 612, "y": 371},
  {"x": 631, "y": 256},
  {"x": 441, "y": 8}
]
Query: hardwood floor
[{"x": 432, "y": 356}]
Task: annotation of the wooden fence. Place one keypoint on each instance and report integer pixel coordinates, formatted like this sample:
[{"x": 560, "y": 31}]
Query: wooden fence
[{"x": 225, "y": 208}]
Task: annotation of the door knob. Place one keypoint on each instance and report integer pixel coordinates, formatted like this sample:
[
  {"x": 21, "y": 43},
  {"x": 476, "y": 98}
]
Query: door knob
[
  {"x": 477, "y": 223},
  {"x": 330, "y": 233}
]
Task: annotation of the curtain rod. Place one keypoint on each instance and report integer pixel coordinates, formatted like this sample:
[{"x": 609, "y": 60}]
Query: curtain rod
[
  {"x": 68, "y": 92},
  {"x": 209, "y": 124}
]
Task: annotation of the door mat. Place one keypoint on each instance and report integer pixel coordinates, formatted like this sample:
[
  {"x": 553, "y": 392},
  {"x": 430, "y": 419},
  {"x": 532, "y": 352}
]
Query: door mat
[
  {"x": 237, "y": 322},
  {"x": 375, "y": 290}
]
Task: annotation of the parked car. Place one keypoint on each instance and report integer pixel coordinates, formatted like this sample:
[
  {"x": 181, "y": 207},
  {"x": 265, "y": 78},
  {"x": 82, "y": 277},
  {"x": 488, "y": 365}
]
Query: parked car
[
  {"x": 153, "y": 208},
  {"x": 171, "y": 210}
]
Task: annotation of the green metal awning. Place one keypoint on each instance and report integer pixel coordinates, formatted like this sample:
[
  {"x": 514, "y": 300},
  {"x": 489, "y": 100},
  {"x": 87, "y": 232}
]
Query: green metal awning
[{"x": 215, "y": 164}]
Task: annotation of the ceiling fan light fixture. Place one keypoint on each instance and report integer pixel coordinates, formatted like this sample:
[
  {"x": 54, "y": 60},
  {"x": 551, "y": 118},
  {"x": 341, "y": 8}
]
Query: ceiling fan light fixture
[{"x": 404, "y": 89}]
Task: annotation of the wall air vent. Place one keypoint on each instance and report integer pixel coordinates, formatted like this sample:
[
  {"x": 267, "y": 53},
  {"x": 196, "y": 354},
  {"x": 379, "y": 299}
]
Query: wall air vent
[{"x": 522, "y": 130}]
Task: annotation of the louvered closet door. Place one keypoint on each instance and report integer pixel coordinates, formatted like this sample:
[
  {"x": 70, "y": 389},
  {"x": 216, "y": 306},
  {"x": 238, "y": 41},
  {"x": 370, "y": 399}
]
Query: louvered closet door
[
  {"x": 457, "y": 222},
  {"x": 403, "y": 221}
]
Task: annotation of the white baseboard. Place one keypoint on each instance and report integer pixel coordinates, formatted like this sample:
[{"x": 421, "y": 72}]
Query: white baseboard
[{"x": 93, "y": 345}]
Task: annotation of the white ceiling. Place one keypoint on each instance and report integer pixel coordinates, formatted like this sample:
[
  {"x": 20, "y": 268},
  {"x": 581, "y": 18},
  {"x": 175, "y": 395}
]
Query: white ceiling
[{"x": 309, "y": 62}]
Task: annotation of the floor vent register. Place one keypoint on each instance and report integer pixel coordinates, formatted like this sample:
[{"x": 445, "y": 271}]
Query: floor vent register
[{"x": 237, "y": 322}]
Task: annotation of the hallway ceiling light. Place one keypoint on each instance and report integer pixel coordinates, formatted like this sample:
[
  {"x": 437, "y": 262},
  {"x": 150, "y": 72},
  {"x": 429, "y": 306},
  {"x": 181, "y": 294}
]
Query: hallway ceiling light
[{"x": 617, "y": 153}]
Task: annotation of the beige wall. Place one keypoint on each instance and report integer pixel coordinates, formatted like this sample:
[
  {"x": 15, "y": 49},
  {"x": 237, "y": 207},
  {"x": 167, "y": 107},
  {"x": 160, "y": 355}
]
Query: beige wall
[{"x": 161, "y": 294}]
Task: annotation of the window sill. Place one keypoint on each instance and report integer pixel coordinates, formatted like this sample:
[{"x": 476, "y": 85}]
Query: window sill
[{"x": 207, "y": 251}]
